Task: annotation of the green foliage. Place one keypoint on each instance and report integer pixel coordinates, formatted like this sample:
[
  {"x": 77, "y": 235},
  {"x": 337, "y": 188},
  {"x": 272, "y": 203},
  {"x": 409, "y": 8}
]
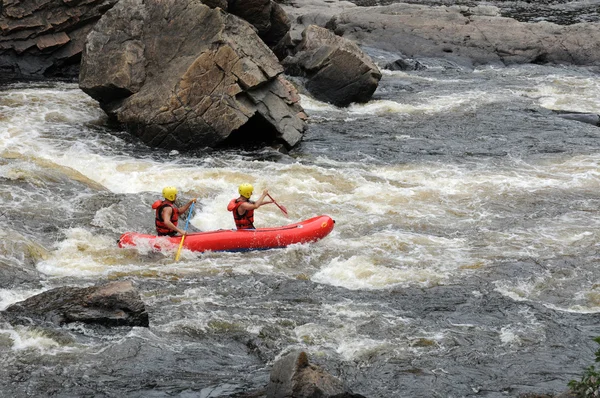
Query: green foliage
[{"x": 589, "y": 386}]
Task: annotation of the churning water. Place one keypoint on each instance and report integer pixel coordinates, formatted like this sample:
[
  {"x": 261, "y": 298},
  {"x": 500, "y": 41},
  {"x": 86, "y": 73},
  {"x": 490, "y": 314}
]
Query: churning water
[{"x": 464, "y": 260}]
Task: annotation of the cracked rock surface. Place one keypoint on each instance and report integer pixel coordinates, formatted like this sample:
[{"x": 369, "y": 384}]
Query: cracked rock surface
[
  {"x": 181, "y": 75},
  {"x": 41, "y": 39}
]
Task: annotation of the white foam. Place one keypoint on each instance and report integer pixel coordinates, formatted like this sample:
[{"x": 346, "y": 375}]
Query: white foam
[
  {"x": 391, "y": 220},
  {"x": 508, "y": 336},
  {"x": 9, "y": 297},
  {"x": 83, "y": 254},
  {"x": 360, "y": 272},
  {"x": 363, "y": 348},
  {"x": 26, "y": 339},
  {"x": 314, "y": 105}
]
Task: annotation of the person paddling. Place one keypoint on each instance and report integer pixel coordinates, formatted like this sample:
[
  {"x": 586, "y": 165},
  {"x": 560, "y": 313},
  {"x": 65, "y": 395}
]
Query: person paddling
[
  {"x": 243, "y": 208},
  {"x": 167, "y": 214}
]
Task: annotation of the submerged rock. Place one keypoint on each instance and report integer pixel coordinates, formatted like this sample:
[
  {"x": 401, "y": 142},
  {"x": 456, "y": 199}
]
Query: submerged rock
[
  {"x": 293, "y": 376},
  {"x": 181, "y": 75},
  {"x": 589, "y": 118},
  {"x": 112, "y": 304},
  {"x": 18, "y": 257},
  {"x": 405, "y": 65}
]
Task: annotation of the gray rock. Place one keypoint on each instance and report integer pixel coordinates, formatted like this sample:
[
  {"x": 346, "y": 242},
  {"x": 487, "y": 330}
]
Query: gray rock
[
  {"x": 464, "y": 35},
  {"x": 222, "y": 4},
  {"x": 293, "y": 376},
  {"x": 565, "y": 394},
  {"x": 112, "y": 304},
  {"x": 469, "y": 35},
  {"x": 337, "y": 70},
  {"x": 182, "y": 76},
  {"x": 286, "y": 46},
  {"x": 588, "y": 118},
  {"x": 405, "y": 65},
  {"x": 45, "y": 38},
  {"x": 269, "y": 19}
]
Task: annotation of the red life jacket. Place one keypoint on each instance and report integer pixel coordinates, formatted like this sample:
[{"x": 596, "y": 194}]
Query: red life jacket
[
  {"x": 161, "y": 227},
  {"x": 246, "y": 220}
]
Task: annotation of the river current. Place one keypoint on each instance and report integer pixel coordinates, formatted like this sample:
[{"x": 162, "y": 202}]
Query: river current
[{"x": 463, "y": 262}]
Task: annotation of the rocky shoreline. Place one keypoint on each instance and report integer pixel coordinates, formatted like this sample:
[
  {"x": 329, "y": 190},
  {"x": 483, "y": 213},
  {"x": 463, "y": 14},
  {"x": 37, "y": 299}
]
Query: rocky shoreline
[
  {"x": 468, "y": 35},
  {"x": 46, "y": 40},
  {"x": 561, "y": 12},
  {"x": 187, "y": 75}
]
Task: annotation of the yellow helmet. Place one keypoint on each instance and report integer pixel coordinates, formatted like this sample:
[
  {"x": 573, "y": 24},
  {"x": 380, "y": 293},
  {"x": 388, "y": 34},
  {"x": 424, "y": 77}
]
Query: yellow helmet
[
  {"x": 246, "y": 190},
  {"x": 169, "y": 193}
]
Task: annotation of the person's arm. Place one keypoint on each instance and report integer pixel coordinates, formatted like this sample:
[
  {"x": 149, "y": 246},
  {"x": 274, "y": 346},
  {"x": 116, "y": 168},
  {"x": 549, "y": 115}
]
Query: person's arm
[
  {"x": 185, "y": 207},
  {"x": 253, "y": 206},
  {"x": 166, "y": 216}
]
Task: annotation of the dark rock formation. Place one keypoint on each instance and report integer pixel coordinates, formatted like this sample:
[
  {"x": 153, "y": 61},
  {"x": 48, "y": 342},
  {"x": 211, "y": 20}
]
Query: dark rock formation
[
  {"x": 269, "y": 19},
  {"x": 113, "y": 304},
  {"x": 222, "y": 4},
  {"x": 45, "y": 38},
  {"x": 337, "y": 70},
  {"x": 589, "y": 118},
  {"x": 566, "y": 394},
  {"x": 180, "y": 75},
  {"x": 41, "y": 39},
  {"x": 294, "y": 377},
  {"x": 405, "y": 65}
]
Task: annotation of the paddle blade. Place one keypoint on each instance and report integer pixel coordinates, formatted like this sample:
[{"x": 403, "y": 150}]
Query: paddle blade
[
  {"x": 187, "y": 222},
  {"x": 283, "y": 209},
  {"x": 179, "y": 250}
]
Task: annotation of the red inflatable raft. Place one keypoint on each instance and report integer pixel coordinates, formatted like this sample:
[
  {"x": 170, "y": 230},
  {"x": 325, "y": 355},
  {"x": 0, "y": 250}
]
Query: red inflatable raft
[{"x": 237, "y": 240}]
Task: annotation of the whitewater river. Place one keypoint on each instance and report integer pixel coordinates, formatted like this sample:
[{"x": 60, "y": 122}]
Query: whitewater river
[{"x": 464, "y": 259}]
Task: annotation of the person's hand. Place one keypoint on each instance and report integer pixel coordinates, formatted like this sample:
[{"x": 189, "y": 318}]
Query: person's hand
[{"x": 265, "y": 192}]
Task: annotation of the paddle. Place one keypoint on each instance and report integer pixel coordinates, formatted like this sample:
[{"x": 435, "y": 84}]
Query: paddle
[
  {"x": 185, "y": 230},
  {"x": 283, "y": 209}
]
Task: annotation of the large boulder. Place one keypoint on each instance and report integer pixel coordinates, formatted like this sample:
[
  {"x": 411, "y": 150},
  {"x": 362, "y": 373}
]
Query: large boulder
[
  {"x": 181, "y": 75},
  {"x": 337, "y": 70},
  {"x": 112, "y": 304},
  {"x": 45, "y": 38}
]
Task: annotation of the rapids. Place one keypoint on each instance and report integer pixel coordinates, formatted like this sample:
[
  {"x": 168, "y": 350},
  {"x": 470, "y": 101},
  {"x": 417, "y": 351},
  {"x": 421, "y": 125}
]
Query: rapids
[{"x": 464, "y": 260}]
